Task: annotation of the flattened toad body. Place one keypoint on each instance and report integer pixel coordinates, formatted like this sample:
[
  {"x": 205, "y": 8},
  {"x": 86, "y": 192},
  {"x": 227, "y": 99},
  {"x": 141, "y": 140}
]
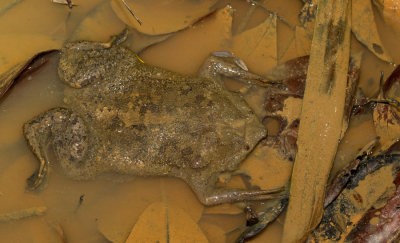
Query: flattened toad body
[{"x": 123, "y": 116}]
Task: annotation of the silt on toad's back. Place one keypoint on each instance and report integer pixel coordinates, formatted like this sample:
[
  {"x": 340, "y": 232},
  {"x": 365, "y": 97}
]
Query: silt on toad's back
[{"x": 123, "y": 116}]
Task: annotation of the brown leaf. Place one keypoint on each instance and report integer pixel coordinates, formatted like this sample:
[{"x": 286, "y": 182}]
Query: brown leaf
[
  {"x": 174, "y": 192},
  {"x": 321, "y": 118},
  {"x": 7, "y": 78},
  {"x": 213, "y": 232},
  {"x": 390, "y": 11},
  {"x": 229, "y": 209},
  {"x": 364, "y": 28},
  {"x": 193, "y": 53},
  {"x": 16, "y": 49},
  {"x": 161, "y": 222},
  {"x": 7, "y": 5},
  {"x": 257, "y": 46},
  {"x": 303, "y": 41},
  {"x": 18, "y": 71},
  {"x": 98, "y": 25},
  {"x": 161, "y": 17},
  {"x": 267, "y": 168},
  {"x": 285, "y": 13},
  {"x": 101, "y": 23}
]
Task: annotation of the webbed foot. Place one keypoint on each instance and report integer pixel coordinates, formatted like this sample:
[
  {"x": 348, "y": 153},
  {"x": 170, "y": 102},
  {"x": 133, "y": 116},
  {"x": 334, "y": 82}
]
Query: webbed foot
[{"x": 64, "y": 130}]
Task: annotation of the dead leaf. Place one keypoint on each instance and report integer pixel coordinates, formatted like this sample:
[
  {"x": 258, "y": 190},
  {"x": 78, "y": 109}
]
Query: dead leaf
[
  {"x": 267, "y": 168},
  {"x": 154, "y": 14},
  {"x": 33, "y": 230},
  {"x": 390, "y": 11},
  {"x": 258, "y": 46},
  {"x": 162, "y": 222},
  {"x": 228, "y": 223},
  {"x": 213, "y": 232},
  {"x": 13, "y": 61},
  {"x": 230, "y": 209},
  {"x": 138, "y": 41},
  {"x": 215, "y": 33},
  {"x": 364, "y": 28},
  {"x": 5, "y": 6},
  {"x": 22, "y": 69},
  {"x": 321, "y": 118},
  {"x": 285, "y": 13},
  {"x": 16, "y": 49},
  {"x": 303, "y": 41},
  {"x": 299, "y": 45},
  {"x": 179, "y": 194},
  {"x": 174, "y": 192},
  {"x": 7, "y": 78},
  {"x": 100, "y": 23},
  {"x": 231, "y": 181}
]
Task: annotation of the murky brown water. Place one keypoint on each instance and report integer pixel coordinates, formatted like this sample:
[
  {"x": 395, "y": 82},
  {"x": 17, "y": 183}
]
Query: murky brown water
[{"x": 110, "y": 206}]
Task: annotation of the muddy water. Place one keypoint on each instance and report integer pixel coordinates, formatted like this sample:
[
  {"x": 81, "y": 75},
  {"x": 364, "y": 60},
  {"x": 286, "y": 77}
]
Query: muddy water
[{"x": 107, "y": 208}]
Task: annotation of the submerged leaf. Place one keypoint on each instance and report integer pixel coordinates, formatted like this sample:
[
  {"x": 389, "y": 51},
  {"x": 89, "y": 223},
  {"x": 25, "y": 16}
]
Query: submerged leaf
[
  {"x": 5, "y": 6},
  {"x": 390, "y": 11},
  {"x": 7, "y": 78},
  {"x": 18, "y": 48},
  {"x": 257, "y": 46},
  {"x": 229, "y": 209},
  {"x": 101, "y": 23},
  {"x": 267, "y": 168},
  {"x": 22, "y": 69},
  {"x": 16, "y": 54},
  {"x": 214, "y": 33},
  {"x": 303, "y": 41},
  {"x": 161, "y": 222},
  {"x": 161, "y": 17},
  {"x": 364, "y": 28},
  {"x": 138, "y": 41},
  {"x": 213, "y": 232},
  {"x": 98, "y": 25}
]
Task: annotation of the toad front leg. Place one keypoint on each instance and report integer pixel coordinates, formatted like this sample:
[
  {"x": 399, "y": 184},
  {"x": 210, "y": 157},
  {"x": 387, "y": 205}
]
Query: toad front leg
[
  {"x": 225, "y": 64},
  {"x": 64, "y": 131}
]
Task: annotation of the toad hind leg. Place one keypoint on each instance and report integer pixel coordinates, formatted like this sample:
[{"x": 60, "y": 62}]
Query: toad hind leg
[
  {"x": 64, "y": 130},
  {"x": 209, "y": 195}
]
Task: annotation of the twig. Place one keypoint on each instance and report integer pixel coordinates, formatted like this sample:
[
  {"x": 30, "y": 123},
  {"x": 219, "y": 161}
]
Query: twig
[{"x": 130, "y": 10}]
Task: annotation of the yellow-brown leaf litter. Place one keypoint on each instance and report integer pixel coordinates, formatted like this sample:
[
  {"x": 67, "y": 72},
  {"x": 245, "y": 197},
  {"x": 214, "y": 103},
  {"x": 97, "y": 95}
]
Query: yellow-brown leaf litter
[{"x": 113, "y": 208}]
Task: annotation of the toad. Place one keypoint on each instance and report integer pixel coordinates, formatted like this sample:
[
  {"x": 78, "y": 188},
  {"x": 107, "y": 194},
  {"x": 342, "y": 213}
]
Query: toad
[{"x": 121, "y": 115}]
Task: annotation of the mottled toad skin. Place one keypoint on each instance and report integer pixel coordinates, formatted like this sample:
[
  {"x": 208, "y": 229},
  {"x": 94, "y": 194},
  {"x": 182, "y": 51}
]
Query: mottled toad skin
[{"x": 123, "y": 116}]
